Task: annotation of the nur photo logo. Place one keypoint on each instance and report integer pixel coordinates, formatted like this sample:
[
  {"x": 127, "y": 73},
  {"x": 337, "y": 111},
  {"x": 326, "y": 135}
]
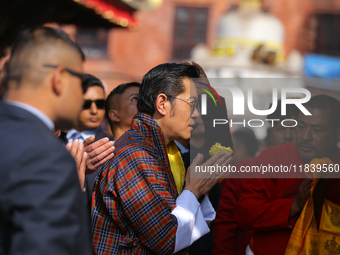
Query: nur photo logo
[{"x": 239, "y": 101}]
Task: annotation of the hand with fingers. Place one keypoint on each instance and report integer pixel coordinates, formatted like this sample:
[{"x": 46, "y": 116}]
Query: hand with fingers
[
  {"x": 301, "y": 198},
  {"x": 200, "y": 186},
  {"x": 97, "y": 153},
  {"x": 202, "y": 76},
  {"x": 193, "y": 63},
  {"x": 77, "y": 152}
]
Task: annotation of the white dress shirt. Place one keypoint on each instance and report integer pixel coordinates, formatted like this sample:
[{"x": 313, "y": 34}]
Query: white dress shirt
[{"x": 81, "y": 136}]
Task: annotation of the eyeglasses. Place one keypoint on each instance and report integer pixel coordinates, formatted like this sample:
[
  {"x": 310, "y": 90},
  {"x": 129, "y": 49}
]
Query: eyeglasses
[
  {"x": 83, "y": 77},
  {"x": 100, "y": 103},
  {"x": 193, "y": 102}
]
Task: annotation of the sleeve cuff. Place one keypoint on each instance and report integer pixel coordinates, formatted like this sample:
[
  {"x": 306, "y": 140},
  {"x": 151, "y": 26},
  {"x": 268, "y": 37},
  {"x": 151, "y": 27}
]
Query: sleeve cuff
[
  {"x": 208, "y": 210},
  {"x": 191, "y": 221}
]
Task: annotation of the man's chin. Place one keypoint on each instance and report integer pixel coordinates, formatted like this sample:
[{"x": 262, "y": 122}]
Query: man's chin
[
  {"x": 305, "y": 156},
  {"x": 92, "y": 126},
  {"x": 184, "y": 137}
]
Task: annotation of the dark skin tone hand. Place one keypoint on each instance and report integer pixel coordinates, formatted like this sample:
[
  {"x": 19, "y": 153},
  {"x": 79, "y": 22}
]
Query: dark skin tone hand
[{"x": 301, "y": 198}]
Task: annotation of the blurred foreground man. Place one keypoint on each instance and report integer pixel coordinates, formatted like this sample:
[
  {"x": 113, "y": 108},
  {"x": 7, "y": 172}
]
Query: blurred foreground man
[
  {"x": 138, "y": 205},
  {"x": 42, "y": 209}
]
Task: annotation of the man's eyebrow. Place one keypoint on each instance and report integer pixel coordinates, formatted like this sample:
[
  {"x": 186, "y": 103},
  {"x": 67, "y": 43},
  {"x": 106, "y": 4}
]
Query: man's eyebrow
[
  {"x": 301, "y": 122},
  {"x": 134, "y": 94},
  {"x": 312, "y": 125},
  {"x": 318, "y": 125}
]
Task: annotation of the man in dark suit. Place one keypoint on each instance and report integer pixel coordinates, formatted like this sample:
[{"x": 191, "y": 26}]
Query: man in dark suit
[
  {"x": 89, "y": 121},
  {"x": 42, "y": 208}
]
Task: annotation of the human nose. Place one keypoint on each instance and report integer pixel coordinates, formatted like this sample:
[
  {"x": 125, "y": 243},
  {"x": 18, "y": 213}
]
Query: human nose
[
  {"x": 307, "y": 134},
  {"x": 289, "y": 135},
  {"x": 93, "y": 108},
  {"x": 195, "y": 113}
]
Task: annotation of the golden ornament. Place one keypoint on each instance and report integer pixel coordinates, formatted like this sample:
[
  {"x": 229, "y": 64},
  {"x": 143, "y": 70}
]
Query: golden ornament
[{"x": 217, "y": 147}]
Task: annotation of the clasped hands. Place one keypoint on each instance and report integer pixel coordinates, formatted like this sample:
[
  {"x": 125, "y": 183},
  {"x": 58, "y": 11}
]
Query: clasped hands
[
  {"x": 89, "y": 155},
  {"x": 202, "y": 184}
]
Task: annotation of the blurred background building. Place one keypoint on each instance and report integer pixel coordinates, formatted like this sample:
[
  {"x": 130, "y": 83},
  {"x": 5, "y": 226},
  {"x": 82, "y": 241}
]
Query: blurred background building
[
  {"x": 236, "y": 33},
  {"x": 231, "y": 39},
  {"x": 93, "y": 18},
  {"x": 285, "y": 29}
]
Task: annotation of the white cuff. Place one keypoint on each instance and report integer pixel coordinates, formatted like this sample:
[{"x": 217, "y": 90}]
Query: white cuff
[
  {"x": 191, "y": 218},
  {"x": 208, "y": 210}
]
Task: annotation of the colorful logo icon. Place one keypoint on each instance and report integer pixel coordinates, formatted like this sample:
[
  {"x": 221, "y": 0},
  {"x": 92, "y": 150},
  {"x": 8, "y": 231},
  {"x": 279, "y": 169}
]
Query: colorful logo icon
[{"x": 204, "y": 97}]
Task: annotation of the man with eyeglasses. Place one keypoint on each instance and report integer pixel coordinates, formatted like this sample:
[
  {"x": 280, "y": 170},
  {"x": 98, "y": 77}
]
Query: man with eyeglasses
[
  {"x": 42, "y": 208},
  {"x": 141, "y": 204}
]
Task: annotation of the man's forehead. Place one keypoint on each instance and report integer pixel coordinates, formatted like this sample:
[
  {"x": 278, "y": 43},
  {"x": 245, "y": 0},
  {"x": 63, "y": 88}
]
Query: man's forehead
[
  {"x": 130, "y": 91},
  {"x": 193, "y": 88},
  {"x": 94, "y": 91},
  {"x": 319, "y": 117}
]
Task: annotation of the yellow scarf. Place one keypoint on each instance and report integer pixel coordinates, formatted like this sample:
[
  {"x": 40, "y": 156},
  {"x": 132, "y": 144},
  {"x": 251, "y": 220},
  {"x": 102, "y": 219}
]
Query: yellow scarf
[
  {"x": 176, "y": 165},
  {"x": 306, "y": 239}
]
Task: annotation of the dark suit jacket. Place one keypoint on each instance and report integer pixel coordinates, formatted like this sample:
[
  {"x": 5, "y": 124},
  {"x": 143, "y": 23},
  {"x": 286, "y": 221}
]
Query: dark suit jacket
[
  {"x": 89, "y": 179},
  {"x": 42, "y": 209}
]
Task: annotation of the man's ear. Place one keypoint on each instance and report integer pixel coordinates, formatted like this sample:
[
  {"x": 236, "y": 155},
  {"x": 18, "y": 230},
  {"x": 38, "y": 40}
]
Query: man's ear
[
  {"x": 161, "y": 104},
  {"x": 113, "y": 115},
  {"x": 57, "y": 81}
]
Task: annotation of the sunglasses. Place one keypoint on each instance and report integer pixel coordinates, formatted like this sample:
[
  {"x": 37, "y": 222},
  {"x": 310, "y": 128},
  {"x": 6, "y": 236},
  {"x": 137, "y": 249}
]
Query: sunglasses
[
  {"x": 83, "y": 77},
  {"x": 100, "y": 103}
]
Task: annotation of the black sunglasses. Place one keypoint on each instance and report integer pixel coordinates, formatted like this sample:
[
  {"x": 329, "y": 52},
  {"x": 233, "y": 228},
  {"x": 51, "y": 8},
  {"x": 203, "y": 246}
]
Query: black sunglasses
[
  {"x": 100, "y": 103},
  {"x": 83, "y": 77}
]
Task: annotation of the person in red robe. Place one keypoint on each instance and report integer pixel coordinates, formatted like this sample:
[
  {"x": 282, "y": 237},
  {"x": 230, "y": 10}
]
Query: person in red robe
[
  {"x": 270, "y": 206},
  {"x": 228, "y": 238}
]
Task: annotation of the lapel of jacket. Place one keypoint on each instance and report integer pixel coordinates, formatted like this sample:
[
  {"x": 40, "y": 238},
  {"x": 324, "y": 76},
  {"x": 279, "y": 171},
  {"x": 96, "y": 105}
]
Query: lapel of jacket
[{"x": 153, "y": 135}]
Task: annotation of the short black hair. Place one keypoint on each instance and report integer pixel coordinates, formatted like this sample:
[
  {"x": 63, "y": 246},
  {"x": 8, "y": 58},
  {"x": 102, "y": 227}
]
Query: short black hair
[
  {"x": 246, "y": 137},
  {"x": 35, "y": 38},
  {"x": 165, "y": 78},
  {"x": 292, "y": 112},
  {"x": 119, "y": 90},
  {"x": 325, "y": 102},
  {"x": 91, "y": 81},
  {"x": 27, "y": 36}
]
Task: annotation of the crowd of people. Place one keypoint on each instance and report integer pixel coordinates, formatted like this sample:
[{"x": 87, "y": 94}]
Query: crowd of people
[{"x": 67, "y": 186}]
